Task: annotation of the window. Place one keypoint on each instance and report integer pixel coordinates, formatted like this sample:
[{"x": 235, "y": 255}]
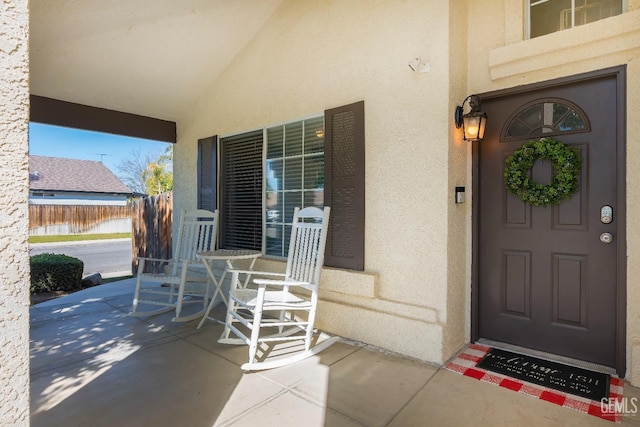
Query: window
[
  {"x": 547, "y": 117},
  {"x": 262, "y": 175},
  {"x": 294, "y": 174},
  {"x": 549, "y": 16}
]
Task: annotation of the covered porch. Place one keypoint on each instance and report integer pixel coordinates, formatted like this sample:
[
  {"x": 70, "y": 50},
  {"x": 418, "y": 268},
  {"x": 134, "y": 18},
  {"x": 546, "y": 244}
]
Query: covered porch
[
  {"x": 91, "y": 364},
  {"x": 215, "y": 70}
]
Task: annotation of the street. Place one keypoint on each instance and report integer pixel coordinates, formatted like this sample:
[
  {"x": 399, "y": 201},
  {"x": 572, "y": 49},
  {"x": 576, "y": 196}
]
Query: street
[{"x": 110, "y": 258}]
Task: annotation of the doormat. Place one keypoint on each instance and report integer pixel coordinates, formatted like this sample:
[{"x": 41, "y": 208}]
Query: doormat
[
  {"x": 558, "y": 376},
  {"x": 468, "y": 364}
]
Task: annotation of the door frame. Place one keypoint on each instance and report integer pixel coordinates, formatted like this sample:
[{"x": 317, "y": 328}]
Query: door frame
[{"x": 619, "y": 73}]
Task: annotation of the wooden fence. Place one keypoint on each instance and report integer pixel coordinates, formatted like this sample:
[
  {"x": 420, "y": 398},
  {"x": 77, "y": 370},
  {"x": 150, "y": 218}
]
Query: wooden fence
[
  {"x": 78, "y": 219},
  {"x": 151, "y": 228},
  {"x": 148, "y": 219}
]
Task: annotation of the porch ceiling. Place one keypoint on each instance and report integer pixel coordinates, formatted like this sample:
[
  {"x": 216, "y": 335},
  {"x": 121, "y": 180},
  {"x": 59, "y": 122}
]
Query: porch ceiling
[{"x": 147, "y": 57}]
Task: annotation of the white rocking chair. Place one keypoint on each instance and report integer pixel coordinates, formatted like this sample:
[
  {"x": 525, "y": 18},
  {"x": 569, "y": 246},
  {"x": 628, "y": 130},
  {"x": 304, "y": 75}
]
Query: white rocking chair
[
  {"x": 184, "y": 278},
  {"x": 248, "y": 306}
]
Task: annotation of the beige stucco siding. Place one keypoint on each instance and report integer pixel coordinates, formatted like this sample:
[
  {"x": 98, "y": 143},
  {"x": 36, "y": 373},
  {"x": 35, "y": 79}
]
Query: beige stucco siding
[
  {"x": 414, "y": 295},
  {"x": 503, "y": 59},
  {"x": 459, "y": 254},
  {"x": 14, "y": 185},
  {"x": 311, "y": 56}
]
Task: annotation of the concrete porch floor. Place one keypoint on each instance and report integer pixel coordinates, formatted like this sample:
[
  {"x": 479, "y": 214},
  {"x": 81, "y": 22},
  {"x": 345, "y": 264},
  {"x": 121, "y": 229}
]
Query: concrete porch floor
[{"x": 93, "y": 365}]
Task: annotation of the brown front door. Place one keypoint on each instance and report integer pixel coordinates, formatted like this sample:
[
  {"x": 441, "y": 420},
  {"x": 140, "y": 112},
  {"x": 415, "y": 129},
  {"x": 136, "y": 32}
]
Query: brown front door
[{"x": 546, "y": 281}]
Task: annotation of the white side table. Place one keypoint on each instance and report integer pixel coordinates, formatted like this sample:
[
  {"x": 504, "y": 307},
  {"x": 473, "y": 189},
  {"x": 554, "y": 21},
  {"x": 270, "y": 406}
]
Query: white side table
[{"x": 229, "y": 256}]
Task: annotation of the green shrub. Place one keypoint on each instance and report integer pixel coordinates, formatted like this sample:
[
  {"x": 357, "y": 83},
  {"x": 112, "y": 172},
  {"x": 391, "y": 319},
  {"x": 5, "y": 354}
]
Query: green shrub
[{"x": 55, "y": 272}]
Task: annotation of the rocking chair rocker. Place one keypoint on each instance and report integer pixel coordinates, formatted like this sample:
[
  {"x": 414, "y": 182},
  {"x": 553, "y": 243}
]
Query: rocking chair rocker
[{"x": 249, "y": 306}]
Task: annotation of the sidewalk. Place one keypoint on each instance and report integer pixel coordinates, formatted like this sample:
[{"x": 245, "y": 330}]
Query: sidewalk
[{"x": 93, "y": 294}]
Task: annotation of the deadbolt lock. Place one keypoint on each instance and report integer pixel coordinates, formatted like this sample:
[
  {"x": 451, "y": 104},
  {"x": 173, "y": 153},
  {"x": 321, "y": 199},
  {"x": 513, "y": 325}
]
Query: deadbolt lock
[{"x": 606, "y": 214}]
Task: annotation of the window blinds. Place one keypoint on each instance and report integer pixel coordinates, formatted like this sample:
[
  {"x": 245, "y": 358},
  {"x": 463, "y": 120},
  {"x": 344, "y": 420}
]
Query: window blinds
[{"x": 241, "y": 191}]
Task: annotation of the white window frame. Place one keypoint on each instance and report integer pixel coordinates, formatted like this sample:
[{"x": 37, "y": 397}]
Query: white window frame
[
  {"x": 530, "y": 3},
  {"x": 264, "y": 171},
  {"x": 264, "y": 179}
]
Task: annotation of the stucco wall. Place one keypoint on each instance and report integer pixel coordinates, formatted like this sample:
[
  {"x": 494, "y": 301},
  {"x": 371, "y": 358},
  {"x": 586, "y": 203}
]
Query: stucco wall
[
  {"x": 414, "y": 296},
  {"x": 14, "y": 194},
  {"x": 311, "y": 56},
  {"x": 459, "y": 220},
  {"x": 502, "y": 59}
]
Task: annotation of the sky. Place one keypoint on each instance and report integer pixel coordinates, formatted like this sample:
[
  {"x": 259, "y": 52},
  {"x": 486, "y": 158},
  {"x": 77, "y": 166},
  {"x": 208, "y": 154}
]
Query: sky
[{"x": 56, "y": 141}]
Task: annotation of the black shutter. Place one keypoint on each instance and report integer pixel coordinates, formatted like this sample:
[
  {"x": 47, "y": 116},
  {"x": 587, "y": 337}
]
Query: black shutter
[
  {"x": 344, "y": 185},
  {"x": 207, "y": 173}
]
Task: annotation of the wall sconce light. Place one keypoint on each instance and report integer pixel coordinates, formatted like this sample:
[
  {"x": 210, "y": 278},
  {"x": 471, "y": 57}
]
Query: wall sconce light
[
  {"x": 472, "y": 123},
  {"x": 417, "y": 65}
]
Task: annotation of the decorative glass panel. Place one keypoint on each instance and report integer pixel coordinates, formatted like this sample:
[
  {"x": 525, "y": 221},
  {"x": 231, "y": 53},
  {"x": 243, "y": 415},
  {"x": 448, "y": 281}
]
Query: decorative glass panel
[
  {"x": 314, "y": 198},
  {"x": 571, "y": 121},
  {"x": 293, "y": 139},
  {"x": 516, "y": 128},
  {"x": 275, "y": 142},
  {"x": 274, "y": 202},
  {"x": 544, "y": 119},
  {"x": 559, "y": 110},
  {"x": 292, "y": 200},
  {"x": 314, "y": 172},
  {"x": 531, "y": 117},
  {"x": 274, "y": 235},
  {"x": 314, "y": 135},
  {"x": 285, "y": 240},
  {"x": 275, "y": 175},
  {"x": 293, "y": 173}
]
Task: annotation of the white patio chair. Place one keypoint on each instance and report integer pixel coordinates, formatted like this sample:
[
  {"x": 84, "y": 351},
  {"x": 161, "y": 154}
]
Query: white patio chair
[
  {"x": 283, "y": 309},
  {"x": 184, "y": 279}
]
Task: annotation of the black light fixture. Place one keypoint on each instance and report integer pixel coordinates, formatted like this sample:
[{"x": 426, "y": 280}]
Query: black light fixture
[{"x": 472, "y": 123}]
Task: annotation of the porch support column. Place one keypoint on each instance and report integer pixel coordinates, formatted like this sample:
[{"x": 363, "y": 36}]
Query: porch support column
[{"x": 14, "y": 219}]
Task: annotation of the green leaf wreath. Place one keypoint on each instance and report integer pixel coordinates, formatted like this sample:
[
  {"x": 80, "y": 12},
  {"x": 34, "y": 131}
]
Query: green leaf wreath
[{"x": 565, "y": 160}]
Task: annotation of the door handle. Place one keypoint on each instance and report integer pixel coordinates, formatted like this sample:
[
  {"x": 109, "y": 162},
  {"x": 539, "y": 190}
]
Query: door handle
[{"x": 606, "y": 238}]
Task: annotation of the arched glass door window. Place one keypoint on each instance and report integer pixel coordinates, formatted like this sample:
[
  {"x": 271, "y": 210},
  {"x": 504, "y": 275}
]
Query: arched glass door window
[{"x": 545, "y": 118}]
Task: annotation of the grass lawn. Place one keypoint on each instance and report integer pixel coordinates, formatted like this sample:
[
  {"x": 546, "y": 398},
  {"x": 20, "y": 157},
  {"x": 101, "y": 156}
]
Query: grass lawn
[{"x": 77, "y": 237}]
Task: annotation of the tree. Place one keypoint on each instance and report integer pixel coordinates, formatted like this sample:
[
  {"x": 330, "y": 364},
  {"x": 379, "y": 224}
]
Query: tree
[
  {"x": 158, "y": 176},
  {"x": 132, "y": 168},
  {"x": 148, "y": 173}
]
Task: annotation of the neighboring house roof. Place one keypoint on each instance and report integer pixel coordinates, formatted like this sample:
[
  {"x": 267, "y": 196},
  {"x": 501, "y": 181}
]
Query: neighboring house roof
[{"x": 57, "y": 174}]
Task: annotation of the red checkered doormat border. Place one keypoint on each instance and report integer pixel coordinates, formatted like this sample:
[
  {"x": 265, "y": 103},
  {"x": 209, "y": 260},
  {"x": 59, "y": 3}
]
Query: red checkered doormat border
[{"x": 466, "y": 361}]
